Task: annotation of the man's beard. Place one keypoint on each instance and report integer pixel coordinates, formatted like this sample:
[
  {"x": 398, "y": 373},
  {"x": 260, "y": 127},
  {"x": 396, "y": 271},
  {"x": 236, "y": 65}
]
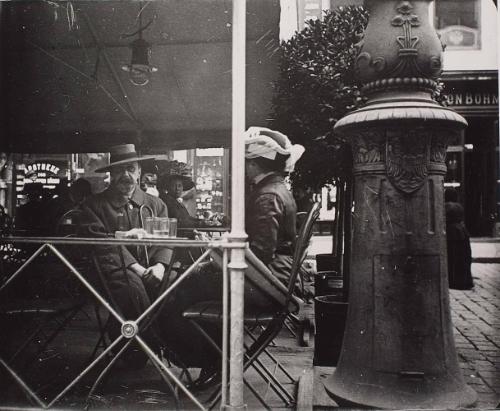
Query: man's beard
[{"x": 125, "y": 185}]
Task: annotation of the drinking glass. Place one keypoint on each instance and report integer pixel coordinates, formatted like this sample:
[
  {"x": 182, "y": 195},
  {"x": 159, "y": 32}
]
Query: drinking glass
[
  {"x": 172, "y": 222},
  {"x": 149, "y": 224},
  {"x": 160, "y": 226}
]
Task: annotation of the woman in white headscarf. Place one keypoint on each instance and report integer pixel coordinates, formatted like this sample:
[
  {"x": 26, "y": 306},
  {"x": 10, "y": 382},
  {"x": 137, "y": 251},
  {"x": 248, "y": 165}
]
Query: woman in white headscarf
[
  {"x": 270, "y": 210},
  {"x": 270, "y": 223}
]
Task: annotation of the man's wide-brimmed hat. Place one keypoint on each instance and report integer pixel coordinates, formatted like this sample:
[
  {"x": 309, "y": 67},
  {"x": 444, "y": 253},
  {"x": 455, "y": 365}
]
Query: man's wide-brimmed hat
[{"x": 123, "y": 154}]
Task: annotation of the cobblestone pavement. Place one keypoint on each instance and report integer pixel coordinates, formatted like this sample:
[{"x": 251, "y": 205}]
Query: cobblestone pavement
[{"x": 476, "y": 318}]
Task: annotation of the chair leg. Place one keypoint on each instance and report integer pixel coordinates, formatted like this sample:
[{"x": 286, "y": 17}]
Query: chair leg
[
  {"x": 101, "y": 342},
  {"x": 218, "y": 390},
  {"x": 275, "y": 360},
  {"x": 272, "y": 381},
  {"x": 258, "y": 347}
]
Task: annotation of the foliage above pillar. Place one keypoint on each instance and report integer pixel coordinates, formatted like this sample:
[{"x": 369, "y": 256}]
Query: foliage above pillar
[{"x": 316, "y": 88}]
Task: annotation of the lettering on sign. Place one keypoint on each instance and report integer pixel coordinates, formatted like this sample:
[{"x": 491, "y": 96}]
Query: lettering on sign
[
  {"x": 38, "y": 167},
  {"x": 472, "y": 99}
]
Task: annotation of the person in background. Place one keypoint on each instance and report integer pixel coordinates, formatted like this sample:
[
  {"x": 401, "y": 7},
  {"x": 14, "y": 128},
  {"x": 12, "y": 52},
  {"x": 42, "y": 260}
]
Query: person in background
[
  {"x": 303, "y": 198},
  {"x": 79, "y": 190},
  {"x": 131, "y": 279},
  {"x": 5, "y": 179},
  {"x": 29, "y": 215},
  {"x": 66, "y": 199},
  {"x": 5, "y": 221},
  {"x": 458, "y": 243},
  {"x": 172, "y": 187},
  {"x": 148, "y": 184}
]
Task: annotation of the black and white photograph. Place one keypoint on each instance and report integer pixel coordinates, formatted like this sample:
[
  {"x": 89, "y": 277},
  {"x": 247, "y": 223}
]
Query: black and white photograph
[{"x": 249, "y": 205}]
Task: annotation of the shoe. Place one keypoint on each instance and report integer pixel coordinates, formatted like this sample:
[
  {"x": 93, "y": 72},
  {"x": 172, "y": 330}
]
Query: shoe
[{"x": 208, "y": 377}]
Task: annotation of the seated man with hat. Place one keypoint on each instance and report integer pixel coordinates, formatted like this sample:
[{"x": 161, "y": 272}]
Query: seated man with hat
[{"x": 120, "y": 208}]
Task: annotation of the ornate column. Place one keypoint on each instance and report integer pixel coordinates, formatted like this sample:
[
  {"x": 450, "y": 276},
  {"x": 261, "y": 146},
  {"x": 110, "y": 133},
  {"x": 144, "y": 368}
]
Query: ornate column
[{"x": 398, "y": 349}]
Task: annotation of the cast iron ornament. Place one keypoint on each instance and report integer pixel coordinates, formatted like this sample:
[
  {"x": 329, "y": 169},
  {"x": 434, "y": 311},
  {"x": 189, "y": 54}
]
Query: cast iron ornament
[{"x": 407, "y": 159}]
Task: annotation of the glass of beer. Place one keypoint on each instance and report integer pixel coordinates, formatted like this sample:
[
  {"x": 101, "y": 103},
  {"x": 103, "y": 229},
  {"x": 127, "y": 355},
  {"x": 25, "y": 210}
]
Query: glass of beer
[
  {"x": 172, "y": 223},
  {"x": 160, "y": 227},
  {"x": 149, "y": 224}
]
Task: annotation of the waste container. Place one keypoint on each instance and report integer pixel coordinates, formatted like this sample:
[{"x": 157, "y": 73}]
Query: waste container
[
  {"x": 330, "y": 316},
  {"x": 327, "y": 282},
  {"x": 327, "y": 262}
]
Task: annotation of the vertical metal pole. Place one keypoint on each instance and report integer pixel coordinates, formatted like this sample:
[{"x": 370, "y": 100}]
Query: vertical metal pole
[
  {"x": 237, "y": 265},
  {"x": 497, "y": 225},
  {"x": 225, "y": 323}
]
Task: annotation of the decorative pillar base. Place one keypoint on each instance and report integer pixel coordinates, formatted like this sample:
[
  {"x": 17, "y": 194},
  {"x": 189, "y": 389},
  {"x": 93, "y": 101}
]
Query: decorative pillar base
[{"x": 398, "y": 349}]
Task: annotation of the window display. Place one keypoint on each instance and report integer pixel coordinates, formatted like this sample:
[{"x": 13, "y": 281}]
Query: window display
[{"x": 209, "y": 170}]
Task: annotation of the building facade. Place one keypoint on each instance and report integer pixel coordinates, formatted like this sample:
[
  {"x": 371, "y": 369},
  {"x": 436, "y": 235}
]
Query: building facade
[{"x": 469, "y": 31}]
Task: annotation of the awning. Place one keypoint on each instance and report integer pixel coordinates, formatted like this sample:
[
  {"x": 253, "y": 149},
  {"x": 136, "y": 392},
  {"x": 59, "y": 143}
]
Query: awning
[{"x": 64, "y": 89}]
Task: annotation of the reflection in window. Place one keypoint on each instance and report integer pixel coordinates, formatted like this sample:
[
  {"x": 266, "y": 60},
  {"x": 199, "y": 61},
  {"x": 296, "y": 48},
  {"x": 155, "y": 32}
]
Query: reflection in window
[{"x": 458, "y": 23}]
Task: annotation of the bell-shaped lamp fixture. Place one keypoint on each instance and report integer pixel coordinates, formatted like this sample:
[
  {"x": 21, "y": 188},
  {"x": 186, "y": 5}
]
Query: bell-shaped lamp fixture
[{"x": 139, "y": 68}]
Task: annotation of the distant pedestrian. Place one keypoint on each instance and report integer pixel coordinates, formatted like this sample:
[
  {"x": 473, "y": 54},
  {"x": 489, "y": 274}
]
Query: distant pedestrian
[
  {"x": 303, "y": 198},
  {"x": 458, "y": 243}
]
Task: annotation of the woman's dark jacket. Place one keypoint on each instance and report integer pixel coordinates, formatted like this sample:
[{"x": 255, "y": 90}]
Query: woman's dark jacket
[
  {"x": 270, "y": 215},
  {"x": 179, "y": 211}
]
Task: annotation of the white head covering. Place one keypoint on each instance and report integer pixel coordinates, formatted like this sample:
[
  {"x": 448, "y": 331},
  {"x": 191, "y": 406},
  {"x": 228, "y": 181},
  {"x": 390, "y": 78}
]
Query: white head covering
[{"x": 263, "y": 142}]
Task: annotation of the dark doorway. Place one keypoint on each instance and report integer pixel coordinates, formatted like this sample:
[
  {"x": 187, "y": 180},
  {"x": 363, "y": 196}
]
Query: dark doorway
[{"x": 480, "y": 175}]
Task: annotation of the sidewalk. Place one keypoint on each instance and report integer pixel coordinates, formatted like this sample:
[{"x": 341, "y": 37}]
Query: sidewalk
[
  {"x": 484, "y": 250},
  {"x": 476, "y": 319}
]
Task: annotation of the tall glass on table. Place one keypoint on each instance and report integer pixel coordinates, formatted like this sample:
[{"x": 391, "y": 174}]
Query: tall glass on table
[{"x": 161, "y": 227}]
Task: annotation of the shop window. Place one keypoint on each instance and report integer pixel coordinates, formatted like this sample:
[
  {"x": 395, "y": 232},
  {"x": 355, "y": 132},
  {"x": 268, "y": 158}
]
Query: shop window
[{"x": 459, "y": 23}]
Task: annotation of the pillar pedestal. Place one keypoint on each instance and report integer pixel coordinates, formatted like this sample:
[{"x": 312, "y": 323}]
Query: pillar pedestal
[{"x": 398, "y": 350}]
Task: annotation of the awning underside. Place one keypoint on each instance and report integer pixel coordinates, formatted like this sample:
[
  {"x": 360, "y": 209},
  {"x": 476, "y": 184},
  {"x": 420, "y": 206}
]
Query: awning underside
[{"x": 64, "y": 89}]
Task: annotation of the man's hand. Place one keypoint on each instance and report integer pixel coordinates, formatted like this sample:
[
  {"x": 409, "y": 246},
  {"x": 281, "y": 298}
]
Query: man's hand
[
  {"x": 157, "y": 271},
  {"x": 138, "y": 269}
]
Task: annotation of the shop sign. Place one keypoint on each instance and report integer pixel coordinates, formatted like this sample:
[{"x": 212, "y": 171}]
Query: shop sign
[
  {"x": 472, "y": 99},
  {"x": 41, "y": 173},
  {"x": 36, "y": 167},
  {"x": 472, "y": 93}
]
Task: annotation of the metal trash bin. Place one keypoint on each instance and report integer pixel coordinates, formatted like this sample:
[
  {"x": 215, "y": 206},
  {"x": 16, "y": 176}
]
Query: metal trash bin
[
  {"x": 327, "y": 282},
  {"x": 330, "y": 316},
  {"x": 327, "y": 262}
]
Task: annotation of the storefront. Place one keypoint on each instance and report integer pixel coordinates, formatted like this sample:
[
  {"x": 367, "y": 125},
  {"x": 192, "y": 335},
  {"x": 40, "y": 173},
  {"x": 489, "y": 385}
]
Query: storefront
[
  {"x": 210, "y": 172},
  {"x": 473, "y": 160}
]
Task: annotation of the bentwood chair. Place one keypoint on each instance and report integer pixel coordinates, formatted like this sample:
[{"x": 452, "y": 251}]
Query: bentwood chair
[
  {"x": 302, "y": 327},
  {"x": 272, "y": 302}
]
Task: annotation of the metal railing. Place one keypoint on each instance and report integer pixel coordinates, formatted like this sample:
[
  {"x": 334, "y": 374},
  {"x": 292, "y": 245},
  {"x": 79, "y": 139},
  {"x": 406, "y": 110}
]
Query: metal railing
[{"x": 129, "y": 328}]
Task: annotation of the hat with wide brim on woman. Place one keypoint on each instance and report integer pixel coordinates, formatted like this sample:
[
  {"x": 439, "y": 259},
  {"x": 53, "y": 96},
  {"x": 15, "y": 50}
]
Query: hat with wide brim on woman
[
  {"x": 123, "y": 154},
  {"x": 166, "y": 179}
]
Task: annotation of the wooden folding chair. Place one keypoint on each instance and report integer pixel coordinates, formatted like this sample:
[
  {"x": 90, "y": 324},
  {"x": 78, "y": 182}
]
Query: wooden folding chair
[{"x": 272, "y": 302}]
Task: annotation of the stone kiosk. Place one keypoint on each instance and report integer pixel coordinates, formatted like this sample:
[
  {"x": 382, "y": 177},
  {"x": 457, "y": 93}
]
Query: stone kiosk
[{"x": 398, "y": 349}]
